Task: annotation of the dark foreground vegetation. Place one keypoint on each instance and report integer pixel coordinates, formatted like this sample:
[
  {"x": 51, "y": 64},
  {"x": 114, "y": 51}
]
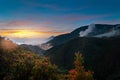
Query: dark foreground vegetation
[
  {"x": 16, "y": 63},
  {"x": 101, "y": 61},
  {"x": 24, "y": 65}
]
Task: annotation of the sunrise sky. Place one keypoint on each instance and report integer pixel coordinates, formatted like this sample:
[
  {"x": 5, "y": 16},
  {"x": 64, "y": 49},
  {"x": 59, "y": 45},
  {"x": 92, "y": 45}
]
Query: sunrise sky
[{"x": 33, "y": 21}]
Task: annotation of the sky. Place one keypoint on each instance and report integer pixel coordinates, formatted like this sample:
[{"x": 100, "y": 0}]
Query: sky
[{"x": 34, "y": 21}]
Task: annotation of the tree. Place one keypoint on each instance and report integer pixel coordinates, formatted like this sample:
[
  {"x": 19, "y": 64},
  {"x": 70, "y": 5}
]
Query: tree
[{"x": 79, "y": 73}]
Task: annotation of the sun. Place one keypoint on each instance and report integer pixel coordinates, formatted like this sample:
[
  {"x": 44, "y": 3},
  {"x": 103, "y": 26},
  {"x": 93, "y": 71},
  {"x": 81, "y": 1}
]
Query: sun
[{"x": 25, "y": 34}]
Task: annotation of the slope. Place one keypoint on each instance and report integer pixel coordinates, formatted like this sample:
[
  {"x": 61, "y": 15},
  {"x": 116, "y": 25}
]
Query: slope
[{"x": 102, "y": 55}]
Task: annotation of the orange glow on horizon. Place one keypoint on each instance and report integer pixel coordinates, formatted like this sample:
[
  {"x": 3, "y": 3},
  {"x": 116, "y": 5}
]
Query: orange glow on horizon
[{"x": 27, "y": 33}]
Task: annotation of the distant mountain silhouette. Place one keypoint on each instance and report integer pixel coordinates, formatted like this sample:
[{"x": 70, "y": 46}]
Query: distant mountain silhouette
[{"x": 32, "y": 48}]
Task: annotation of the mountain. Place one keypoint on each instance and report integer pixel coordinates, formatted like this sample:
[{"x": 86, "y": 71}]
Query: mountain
[
  {"x": 102, "y": 55},
  {"x": 32, "y": 48},
  {"x": 66, "y": 37},
  {"x": 50, "y": 38},
  {"x": 92, "y": 30}
]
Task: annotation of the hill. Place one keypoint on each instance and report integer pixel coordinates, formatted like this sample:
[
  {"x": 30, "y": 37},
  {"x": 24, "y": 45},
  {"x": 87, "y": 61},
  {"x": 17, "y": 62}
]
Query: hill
[
  {"x": 102, "y": 55},
  {"x": 32, "y": 48}
]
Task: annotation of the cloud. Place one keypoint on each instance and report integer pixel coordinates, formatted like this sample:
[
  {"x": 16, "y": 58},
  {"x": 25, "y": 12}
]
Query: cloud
[
  {"x": 49, "y": 23},
  {"x": 26, "y": 24},
  {"x": 15, "y": 33}
]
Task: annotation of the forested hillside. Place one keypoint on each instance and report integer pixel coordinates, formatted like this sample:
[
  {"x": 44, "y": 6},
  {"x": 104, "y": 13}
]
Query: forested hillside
[
  {"x": 102, "y": 55},
  {"x": 17, "y": 63}
]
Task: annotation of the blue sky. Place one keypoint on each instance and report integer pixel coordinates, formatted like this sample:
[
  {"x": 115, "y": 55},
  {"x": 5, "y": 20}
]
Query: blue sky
[{"x": 56, "y": 16}]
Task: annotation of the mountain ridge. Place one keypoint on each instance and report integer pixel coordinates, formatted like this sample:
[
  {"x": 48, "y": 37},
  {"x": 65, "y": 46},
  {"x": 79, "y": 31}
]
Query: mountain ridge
[{"x": 98, "y": 29}]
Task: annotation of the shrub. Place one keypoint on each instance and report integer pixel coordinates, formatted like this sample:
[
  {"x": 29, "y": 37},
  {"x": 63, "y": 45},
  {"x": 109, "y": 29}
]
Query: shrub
[{"x": 44, "y": 70}]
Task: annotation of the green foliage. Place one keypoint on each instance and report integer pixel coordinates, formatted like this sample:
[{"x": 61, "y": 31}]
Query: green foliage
[
  {"x": 44, "y": 70},
  {"x": 20, "y": 64},
  {"x": 17, "y": 64}
]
